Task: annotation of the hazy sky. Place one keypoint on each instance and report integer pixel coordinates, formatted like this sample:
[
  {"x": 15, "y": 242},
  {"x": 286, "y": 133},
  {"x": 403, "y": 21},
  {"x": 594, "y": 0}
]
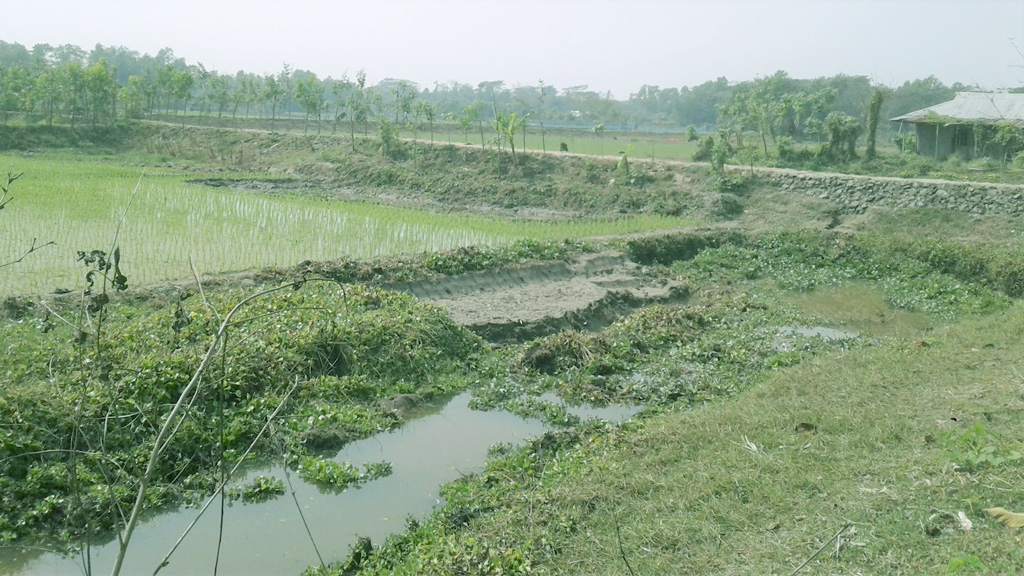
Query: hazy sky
[{"x": 608, "y": 45}]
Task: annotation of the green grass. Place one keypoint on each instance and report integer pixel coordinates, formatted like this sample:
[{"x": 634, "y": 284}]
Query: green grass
[
  {"x": 77, "y": 204},
  {"x": 737, "y": 487}
]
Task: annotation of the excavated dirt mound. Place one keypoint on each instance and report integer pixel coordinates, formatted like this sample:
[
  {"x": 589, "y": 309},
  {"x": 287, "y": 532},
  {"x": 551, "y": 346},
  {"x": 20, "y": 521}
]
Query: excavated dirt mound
[{"x": 537, "y": 300}]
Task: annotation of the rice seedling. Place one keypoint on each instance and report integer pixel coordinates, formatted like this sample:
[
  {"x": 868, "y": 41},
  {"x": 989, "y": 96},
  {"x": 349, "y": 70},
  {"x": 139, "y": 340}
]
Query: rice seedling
[{"x": 79, "y": 205}]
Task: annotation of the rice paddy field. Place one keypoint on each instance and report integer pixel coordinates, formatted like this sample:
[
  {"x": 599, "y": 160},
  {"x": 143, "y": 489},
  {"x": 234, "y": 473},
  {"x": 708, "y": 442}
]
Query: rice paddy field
[{"x": 161, "y": 223}]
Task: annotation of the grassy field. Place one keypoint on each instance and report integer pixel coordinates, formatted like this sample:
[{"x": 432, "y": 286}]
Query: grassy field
[
  {"x": 661, "y": 146},
  {"x": 640, "y": 144},
  {"x": 867, "y": 454},
  {"x": 78, "y": 204}
]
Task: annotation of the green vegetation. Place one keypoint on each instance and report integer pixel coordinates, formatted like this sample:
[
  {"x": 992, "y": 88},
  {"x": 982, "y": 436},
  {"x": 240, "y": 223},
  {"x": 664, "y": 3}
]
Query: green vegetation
[
  {"x": 878, "y": 440},
  {"x": 850, "y": 388},
  {"x": 839, "y": 444},
  {"x": 324, "y": 354}
]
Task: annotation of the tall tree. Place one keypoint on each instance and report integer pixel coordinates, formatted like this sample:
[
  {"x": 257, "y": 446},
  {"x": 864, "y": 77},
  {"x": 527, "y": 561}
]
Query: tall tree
[
  {"x": 100, "y": 93},
  {"x": 47, "y": 91},
  {"x": 471, "y": 115},
  {"x": 359, "y": 105},
  {"x": 181, "y": 89},
  {"x": 133, "y": 98},
  {"x": 543, "y": 94},
  {"x": 72, "y": 89},
  {"x": 427, "y": 110},
  {"x": 309, "y": 93},
  {"x": 272, "y": 94},
  {"x": 403, "y": 95},
  {"x": 874, "y": 112},
  {"x": 15, "y": 90}
]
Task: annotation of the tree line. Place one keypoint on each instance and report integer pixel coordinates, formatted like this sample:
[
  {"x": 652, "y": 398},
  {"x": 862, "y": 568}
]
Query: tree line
[{"x": 70, "y": 85}]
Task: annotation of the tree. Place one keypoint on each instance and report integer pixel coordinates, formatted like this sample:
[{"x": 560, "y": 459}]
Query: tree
[
  {"x": 220, "y": 92},
  {"x": 310, "y": 96},
  {"x": 507, "y": 126},
  {"x": 359, "y": 105},
  {"x": 15, "y": 90},
  {"x": 47, "y": 91},
  {"x": 71, "y": 88},
  {"x": 133, "y": 98},
  {"x": 388, "y": 133},
  {"x": 403, "y": 96},
  {"x": 342, "y": 90},
  {"x": 1010, "y": 140},
  {"x": 761, "y": 107},
  {"x": 843, "y": 131},
  {"x": 917, "y": 94},
  {"x": 427, "y": 110},
  {"x": 452, "y": 118},
  {"x": 100, "y": 93},
  {"x": 272, "y": 94},
  {"x": 251, "y": 88},
  {"x": 874, "y": 110},
  {"x": 471, "y": 115},
  {"x": 164, "y": 85},
  {"x": 543, "y": 93},
  {"x": 181, "y": 89}
]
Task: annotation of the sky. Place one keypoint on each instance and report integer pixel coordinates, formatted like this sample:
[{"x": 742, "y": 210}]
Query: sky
[{"x": 615, "y": 46}]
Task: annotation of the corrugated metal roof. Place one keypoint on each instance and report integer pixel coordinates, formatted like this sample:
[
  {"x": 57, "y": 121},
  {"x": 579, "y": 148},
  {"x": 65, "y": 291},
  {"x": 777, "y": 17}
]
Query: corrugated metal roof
[{"x": 980, "y": 107}]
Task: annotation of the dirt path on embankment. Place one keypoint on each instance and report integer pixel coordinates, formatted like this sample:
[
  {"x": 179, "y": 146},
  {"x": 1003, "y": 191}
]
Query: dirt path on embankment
[{"x": 532, "y": 301}]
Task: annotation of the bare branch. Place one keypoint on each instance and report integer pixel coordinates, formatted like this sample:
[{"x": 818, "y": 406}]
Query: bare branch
[
  {"x": 4, "y": 200},
  {"x": 31, "y": 249},
  {"x": 213, "y": 497}
]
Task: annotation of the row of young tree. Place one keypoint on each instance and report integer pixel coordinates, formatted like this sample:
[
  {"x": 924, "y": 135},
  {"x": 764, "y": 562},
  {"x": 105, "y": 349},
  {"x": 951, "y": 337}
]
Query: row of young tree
[{"x": 69, "y": 85}]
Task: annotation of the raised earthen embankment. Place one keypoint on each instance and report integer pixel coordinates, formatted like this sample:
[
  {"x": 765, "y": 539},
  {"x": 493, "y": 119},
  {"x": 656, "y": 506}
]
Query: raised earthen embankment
[{"x": 854, "y": 194}]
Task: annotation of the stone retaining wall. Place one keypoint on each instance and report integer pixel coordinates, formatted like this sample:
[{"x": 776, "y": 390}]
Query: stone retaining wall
[{"x": 854, "y": 194}]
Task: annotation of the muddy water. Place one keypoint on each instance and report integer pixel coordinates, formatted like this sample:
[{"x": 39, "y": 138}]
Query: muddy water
[{"x": 269, "y": 538}]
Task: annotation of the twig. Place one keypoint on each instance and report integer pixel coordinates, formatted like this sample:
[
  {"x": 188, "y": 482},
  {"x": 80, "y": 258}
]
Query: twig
[
  {"x": 32, "y": 248},
  {"x": 298, "y": 507},
  {"x": 199, "y": 283},
  {"x": 4, "y": 188},
  {"x": 823, "y": 546},
  {"x": 622, "y": 551},
  {"x": 167, "y": 559},
  {"x": 61, "y": 318},
  {"x": 124, "y": 213}
]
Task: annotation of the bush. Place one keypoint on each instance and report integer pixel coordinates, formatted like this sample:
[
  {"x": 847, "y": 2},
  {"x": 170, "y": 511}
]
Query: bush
[
  {"x": 703, "y": 153},
  {"x": 724, "y": 206}
]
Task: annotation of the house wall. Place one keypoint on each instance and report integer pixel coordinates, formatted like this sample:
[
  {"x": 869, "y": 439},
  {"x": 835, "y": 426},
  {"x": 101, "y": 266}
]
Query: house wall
[{"x": 955, "y": 139}]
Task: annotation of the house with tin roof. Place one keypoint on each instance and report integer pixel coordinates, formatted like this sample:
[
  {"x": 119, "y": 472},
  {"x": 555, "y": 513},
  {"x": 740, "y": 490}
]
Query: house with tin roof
[{"x": 955, "y": 127}]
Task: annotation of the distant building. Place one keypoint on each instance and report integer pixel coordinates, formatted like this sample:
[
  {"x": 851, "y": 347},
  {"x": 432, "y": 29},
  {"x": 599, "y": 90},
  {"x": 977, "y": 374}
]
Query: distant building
[{"x": 948, "y": 128}]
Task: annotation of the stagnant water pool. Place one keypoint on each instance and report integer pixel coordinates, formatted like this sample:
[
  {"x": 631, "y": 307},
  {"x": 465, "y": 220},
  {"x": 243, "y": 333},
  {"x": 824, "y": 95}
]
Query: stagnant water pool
[{"x": 441, "y": 444}]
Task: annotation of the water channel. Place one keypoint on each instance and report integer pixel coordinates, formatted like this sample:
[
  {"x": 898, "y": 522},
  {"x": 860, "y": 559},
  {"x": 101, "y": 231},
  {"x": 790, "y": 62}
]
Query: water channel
[{"x": 434, "y": 447}]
